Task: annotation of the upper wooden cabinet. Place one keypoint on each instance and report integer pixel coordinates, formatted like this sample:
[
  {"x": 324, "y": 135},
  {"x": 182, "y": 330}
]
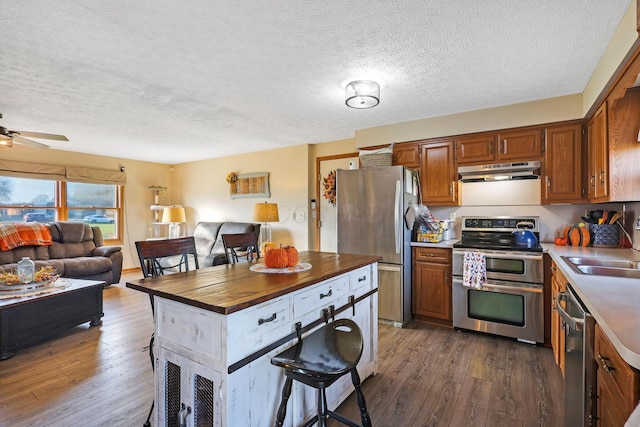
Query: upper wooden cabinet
[
  {"x": 438, "y": 175},
  {"x": 407, "y": 154},
  {"x": 562, "y": 171},
  {"x": 520, "y": 145},
  {"x": 597, "y": 167},
  {"x": 505, "y": 146},
  {"x": 614, "y": 151},
  {"x": 475, "y": 149}
]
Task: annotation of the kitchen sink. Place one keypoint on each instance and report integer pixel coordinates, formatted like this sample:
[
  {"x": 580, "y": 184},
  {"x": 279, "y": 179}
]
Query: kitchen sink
[
  {"x": 604, "y": 267},
  {"x": 600, "y": 262}
]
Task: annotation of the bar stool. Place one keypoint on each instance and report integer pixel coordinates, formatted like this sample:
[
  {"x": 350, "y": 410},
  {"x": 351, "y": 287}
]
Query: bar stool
[{"x": 318, "y": 361}]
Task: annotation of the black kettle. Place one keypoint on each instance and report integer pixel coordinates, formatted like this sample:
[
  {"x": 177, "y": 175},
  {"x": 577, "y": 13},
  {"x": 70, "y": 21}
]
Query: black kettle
[{"x": 525, "y": 237}]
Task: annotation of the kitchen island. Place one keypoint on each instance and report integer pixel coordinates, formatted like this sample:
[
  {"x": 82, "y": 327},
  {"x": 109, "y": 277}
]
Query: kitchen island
[{"x": 217, "y": 328}]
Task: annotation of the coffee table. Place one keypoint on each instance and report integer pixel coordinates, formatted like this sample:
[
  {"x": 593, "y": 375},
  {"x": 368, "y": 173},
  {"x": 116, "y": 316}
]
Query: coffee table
[{"x": 28, "y": 320}]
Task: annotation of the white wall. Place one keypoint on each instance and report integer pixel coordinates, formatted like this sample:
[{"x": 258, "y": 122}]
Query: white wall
[{"x": 204, "y": 192}]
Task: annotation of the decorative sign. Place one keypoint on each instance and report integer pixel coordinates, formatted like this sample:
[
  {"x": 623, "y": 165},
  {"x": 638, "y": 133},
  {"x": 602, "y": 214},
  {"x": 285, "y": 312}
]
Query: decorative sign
[{"x": 250, "y": 185}]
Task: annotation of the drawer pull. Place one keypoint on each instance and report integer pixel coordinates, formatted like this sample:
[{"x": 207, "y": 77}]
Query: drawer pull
[
  {"x": 328, "y": 294},
  {"x": 362, "y": 279},
  {"x": 270, "y": 319},
  {"x": 603, "y": 362}
]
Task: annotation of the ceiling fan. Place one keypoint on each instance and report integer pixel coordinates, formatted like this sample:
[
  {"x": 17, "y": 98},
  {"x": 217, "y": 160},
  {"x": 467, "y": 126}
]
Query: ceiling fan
[{"x": 8, "y": 137}]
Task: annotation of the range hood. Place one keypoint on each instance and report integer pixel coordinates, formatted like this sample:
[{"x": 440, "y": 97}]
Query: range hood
[{"x": 499, "y": 171}]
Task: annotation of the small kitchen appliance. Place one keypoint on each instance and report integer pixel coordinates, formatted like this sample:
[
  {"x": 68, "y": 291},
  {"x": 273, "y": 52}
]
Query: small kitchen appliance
[{"x": 510, "y": 303}]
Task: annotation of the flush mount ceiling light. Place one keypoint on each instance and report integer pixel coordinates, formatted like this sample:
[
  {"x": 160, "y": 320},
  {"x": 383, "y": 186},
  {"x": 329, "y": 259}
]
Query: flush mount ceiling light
[{"x": 362, "y": 94}]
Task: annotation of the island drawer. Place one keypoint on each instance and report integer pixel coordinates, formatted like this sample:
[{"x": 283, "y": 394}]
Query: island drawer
[
  {"x": 320, "y": 296},
  {"x": 259, "y": 320},
  {"x": 189, "y": 327},
  {"x": 360, "y": 280}
]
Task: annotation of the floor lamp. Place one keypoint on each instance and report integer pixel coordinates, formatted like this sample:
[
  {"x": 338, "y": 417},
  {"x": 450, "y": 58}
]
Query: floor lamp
[{"x": 265, "y": 213}]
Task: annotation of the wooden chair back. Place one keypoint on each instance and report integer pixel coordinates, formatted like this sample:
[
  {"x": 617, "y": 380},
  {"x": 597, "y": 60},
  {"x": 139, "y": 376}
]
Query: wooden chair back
[
  {"x": 156, "y": 256},
  {"x": 241, "y": 245}
]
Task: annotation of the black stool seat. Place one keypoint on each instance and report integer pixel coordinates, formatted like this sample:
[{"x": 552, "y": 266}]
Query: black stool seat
[{"x": 321, "y": 359}]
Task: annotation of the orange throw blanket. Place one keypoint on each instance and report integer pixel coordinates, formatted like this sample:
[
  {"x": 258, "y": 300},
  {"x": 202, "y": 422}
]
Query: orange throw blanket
[{"x": 23, "y": 234}]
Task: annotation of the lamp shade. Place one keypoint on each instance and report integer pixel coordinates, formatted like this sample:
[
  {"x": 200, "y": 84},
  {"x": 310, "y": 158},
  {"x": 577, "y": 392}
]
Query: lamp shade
[
  {"x": 173, "y": 214},
  {"x": 362, "y": 94},
  {"x": 266, "y": 212}
]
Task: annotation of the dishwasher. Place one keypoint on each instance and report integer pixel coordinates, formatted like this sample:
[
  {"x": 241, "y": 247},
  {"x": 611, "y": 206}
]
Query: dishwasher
[{"x": 579, "y": 365}]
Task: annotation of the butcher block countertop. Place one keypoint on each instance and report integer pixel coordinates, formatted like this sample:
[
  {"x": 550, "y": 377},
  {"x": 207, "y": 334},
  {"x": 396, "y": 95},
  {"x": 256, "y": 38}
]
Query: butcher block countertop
[
  {"x": 614, "y": 302},
  {"x": 232, "y": 287}
]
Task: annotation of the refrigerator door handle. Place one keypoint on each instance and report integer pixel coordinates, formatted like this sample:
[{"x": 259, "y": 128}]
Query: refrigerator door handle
[{"x": 396, "y": 218}]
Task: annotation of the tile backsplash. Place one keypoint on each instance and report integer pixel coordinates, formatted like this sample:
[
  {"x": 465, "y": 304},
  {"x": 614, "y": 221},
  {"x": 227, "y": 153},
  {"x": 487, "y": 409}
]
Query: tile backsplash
[{"x": 553, "y": 218}]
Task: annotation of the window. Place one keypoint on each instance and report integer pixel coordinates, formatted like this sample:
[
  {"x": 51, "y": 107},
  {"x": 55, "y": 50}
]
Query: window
[{"x": 37, "y": 200}]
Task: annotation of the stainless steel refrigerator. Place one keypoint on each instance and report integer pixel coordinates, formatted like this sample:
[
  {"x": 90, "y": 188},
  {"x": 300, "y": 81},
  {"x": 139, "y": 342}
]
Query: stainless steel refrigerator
[{"x": 371, "y": 204}]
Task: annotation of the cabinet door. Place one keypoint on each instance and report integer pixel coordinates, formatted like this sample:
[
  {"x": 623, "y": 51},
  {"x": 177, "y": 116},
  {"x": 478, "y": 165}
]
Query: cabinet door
[
  {"x": 598, "y": 155},
  {"x": 432, "y": 290},
  {"x": 438, "y": 175},
  {"x": 562, "y": 175},
  {"x": 187, "y": 391},
  {"x": 520, "y": 145},
  {"x": 407, "y": 155},
  {"x": 475, "y": 150},
  {"x": 610, "y": 411},
  {"x": 557, "y": 326},
  {"x": 616, "y": 379}
]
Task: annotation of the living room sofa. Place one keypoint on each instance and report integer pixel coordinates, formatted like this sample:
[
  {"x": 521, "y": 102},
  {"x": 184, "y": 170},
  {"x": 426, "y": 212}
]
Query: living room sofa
[
  {"x": 208, "y": 239},
  {"x": 77, "y": 251}
]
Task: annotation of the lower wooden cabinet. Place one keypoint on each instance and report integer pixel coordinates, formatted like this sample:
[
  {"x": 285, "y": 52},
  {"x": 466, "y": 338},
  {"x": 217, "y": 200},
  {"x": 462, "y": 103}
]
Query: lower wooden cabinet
[
  {"x": 618, "y": 384},
  {"x": 558, "y": 284},
  {"x": 432, "y": 285}
]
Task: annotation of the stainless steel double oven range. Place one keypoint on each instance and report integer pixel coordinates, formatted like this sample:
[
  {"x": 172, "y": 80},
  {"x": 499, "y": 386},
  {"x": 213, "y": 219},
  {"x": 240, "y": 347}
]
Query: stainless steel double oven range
[{"x": 511, "y": 303}]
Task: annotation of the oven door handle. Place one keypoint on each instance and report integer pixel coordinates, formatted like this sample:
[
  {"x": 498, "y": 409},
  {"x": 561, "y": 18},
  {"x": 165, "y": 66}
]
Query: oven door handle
[
  {"x": 523, "y": 289},
  {"x": 574, "y": 323},
  {"x": 536, "y": 290},
  {"x": 503, "y": 255}
]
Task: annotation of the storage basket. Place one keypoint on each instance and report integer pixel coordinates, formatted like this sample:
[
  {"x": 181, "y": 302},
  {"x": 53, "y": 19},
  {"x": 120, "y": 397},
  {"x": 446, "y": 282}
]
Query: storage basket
[
  {"x": 607, "y": 235},
  {"x": 431, "y": 237},
  {"x": 376, "y": 160},
  {"x": 429, "y": 232}
]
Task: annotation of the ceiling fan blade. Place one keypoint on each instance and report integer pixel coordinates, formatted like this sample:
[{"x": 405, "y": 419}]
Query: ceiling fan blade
[
  {"x": 30, "y": 143},
  {"x": 41, "y": 135}
]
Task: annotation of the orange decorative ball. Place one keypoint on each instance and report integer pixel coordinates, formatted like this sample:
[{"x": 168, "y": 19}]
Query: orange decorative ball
[
  {"x": 292, "y": 254},
  {"x": 276, "y": 258}
]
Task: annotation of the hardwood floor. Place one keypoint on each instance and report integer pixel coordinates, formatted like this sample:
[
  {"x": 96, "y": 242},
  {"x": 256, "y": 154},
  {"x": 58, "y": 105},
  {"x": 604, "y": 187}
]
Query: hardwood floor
[
  {"x": 428, "y": 376},
  {"x": 434, "y": 376}
]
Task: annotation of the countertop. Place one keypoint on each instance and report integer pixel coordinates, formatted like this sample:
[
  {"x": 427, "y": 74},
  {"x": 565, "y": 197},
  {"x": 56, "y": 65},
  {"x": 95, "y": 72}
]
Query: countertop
[
  {"x": 614, "y": 302},
  {"x": 229, "y": 288}
]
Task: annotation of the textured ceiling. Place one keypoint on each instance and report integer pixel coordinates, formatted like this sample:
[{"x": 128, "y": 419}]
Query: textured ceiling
[{"x": 175, "y": 81}]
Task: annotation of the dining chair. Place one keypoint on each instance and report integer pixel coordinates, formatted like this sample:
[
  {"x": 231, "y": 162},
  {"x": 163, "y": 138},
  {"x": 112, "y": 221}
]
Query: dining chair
[
  {"x": 240, "y": 245},
  {"x": 157, "y": 256}
]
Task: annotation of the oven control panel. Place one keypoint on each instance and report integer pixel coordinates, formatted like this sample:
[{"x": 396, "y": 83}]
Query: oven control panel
[{"x": 500, "y": 223}]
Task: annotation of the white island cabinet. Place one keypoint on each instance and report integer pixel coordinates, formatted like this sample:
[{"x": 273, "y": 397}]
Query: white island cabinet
[{"x": 216, "y": 330}]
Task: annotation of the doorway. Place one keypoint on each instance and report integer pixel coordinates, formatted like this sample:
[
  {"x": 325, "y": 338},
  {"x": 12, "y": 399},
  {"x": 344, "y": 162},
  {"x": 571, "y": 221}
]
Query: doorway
[{"x": 326, "y": 219}]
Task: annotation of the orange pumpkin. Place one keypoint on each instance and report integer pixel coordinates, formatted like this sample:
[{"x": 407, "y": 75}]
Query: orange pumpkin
[
  {"x": 276, "y": 258},
  {"x": 577, "y": 236},
  {"x": 292, "y": 253}
]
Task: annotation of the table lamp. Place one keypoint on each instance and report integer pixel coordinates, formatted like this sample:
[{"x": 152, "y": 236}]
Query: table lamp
[
  {"x": 174, "y": 215},
  {"x": 265, "y": 213}
]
